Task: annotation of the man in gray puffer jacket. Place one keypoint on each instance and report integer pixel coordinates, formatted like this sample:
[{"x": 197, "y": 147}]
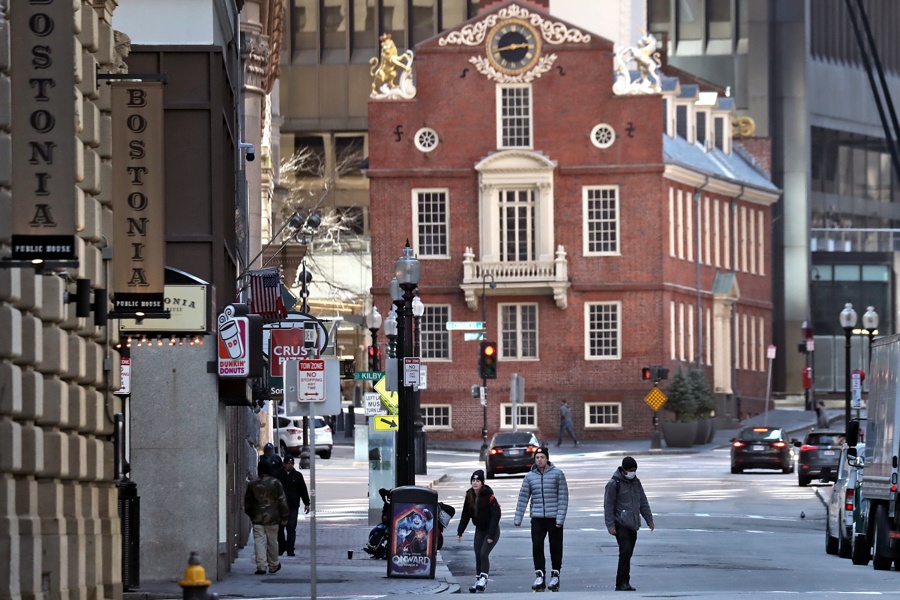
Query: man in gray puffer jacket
[
  {"x": 624, "y": 503},
  {"x": 545, "y": 485}
]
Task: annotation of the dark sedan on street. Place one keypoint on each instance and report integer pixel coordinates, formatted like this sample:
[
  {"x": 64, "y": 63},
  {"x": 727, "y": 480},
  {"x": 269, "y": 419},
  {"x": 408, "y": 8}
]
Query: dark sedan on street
[
  {"x": 762, "y": 448},
  {"x": 510, "y": 453},
  {"x": 820, "y": 454}
]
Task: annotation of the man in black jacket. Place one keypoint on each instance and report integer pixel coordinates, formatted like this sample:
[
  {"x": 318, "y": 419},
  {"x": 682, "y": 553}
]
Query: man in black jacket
[
  {"x": 624, "y": 503},
  {"x": 295, "y": 490}
]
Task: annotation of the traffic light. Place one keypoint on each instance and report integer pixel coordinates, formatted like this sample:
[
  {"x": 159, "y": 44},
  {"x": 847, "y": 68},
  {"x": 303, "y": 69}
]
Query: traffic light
[
  {"x": 654, "y": 373},
  {"x": 374, "y": 358},
  {"x": 487, "y": 360}
]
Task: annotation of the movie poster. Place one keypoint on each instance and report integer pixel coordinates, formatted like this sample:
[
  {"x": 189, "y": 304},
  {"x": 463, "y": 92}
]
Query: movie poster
[{"x": 412, "y": 551}]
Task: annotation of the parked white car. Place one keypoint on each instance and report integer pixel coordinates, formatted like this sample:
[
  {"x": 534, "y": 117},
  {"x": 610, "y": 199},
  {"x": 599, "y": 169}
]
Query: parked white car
[
  {"x": 290, "y": 436},
  {"x": 842, "y": 505}
]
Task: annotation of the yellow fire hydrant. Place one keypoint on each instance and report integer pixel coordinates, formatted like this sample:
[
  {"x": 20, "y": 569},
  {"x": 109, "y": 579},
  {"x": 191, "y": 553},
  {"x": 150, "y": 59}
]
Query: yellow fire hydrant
[{"x": 195, "y": 583}]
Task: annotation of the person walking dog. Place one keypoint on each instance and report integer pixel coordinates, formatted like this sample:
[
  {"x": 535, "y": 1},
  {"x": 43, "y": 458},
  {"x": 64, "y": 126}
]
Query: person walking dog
[
  {"x": 624, "y": 503},
  {"x": 545, "y": 485},
  {"x": 482, "y": 508}
]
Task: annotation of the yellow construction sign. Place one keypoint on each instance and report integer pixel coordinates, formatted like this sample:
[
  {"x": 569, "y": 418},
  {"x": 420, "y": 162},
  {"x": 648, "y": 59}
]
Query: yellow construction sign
[
  {"x": 389, "y": 399},
  {"x": 387, "y": 422},
  {"x": 656, "y": 398}
]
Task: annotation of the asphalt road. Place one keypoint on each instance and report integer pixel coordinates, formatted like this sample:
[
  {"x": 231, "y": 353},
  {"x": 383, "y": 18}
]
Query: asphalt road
[{"x": 717, "y": 534}]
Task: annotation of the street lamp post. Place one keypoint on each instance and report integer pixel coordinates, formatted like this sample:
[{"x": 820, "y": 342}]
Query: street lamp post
[
  {"x": 420, "y": 437},
  {"x": 373, "y": 322},
  {"x": 848, "y": 322},
  {"x": 305, "y": 280},
  {"x": 407, "y": 271},
  {"x": 870, "y": 322},
  {"x": 484, "y": 420}
]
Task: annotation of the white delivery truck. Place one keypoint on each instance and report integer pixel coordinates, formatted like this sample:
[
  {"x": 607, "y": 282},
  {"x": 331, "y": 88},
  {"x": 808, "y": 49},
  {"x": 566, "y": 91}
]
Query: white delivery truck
[{"x": 880, "y": 514}]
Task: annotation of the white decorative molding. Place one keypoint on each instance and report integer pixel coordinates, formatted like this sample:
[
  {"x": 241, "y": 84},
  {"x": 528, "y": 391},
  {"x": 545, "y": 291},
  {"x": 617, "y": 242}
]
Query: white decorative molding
[
  {"x": 646, "y": 80},
  {"x": 426, "y": 139},
  {"x": 603, "y": 135},
  {"x": 485, "y": 68},
  {"x": 553, "y": 32}
]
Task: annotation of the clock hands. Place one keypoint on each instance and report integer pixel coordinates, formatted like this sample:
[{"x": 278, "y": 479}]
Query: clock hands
[{"x": 512, "y": 47}]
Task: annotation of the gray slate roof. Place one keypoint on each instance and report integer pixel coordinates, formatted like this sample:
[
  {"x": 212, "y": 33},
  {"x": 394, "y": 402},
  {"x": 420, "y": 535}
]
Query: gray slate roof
[{"x": 715, "y": 163}]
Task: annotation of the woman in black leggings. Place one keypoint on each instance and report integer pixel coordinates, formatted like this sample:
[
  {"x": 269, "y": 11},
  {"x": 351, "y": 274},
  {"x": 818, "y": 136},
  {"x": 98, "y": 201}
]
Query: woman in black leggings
[{"x": 482, "y": 508}]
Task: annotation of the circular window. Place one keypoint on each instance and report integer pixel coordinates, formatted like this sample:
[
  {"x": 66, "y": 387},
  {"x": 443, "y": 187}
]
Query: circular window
[
  {"x": 426, "y": 139},
  {"x": 603, "y": 135}
]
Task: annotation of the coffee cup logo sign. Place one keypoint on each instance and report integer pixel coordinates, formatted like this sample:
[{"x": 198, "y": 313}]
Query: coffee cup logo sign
[{"x": 233, "y": 343}]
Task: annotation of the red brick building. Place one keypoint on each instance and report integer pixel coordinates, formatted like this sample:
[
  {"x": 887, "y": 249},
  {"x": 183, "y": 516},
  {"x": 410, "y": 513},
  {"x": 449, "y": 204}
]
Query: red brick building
[{"x": 621, "y": 231}]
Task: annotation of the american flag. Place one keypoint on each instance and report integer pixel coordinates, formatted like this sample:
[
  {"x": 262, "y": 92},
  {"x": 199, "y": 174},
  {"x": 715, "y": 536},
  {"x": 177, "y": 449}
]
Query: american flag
[{"x": 265, "y": 294}]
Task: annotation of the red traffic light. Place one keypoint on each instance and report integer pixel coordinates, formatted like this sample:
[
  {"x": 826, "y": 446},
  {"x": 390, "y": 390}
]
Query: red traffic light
[
  {"x": 487, "y": 360},
  {"x": 646, "y": 374}
]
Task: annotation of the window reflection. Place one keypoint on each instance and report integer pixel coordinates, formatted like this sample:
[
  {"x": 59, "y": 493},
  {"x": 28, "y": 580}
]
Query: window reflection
[
  {"x": 334, "y": 21},
  {"x": 364, "y": 36},
  {"x": 395, "y": 22}
]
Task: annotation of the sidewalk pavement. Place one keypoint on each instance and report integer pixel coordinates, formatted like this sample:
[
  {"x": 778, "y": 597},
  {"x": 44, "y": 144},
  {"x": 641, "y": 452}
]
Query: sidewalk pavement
[{"x": 340, "y": 577}]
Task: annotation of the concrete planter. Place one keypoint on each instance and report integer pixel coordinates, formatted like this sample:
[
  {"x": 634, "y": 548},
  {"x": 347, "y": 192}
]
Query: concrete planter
[{"x": 679, "y": 435}]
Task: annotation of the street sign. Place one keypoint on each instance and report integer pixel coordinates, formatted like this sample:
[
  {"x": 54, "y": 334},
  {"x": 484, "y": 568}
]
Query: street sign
[
  {"x": 367, "y": 375},
  {"x": 311, "y": 380},
  {"x": 656, "y": 398},
  {"x": 810, "y": 345},
  {"x": 390, "y": 399},
  {"x": 374, "y": 405},
  {"x": 473, "y": 336},
  {"x": 464, "y": 325},
  {"x": 856, "y": 379},
  {"x": 770, "y": 352},
  {"x": 387, "y": 423},
  {"x": 411, "y": 371}
]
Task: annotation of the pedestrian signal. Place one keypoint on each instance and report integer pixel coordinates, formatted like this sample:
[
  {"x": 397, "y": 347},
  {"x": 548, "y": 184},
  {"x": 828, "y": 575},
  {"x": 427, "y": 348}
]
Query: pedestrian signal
[
  {"x": 487, "y": 360},
  {"x": 654, "y": 373},
  {"x": 374, "y": 358}
]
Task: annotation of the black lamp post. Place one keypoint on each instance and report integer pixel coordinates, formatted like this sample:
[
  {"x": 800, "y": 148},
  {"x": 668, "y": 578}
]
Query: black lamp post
[
  {"x": 373, "y": 322},
  {"x": 390, "y": 330},
  {"x": 408, "y": 271},
  {"x": 306, "y": 234},
  {"x": 484, "y": 422},
  {"x": 848, "y": 322},
  {"x": 870, "y": 322},
  {"x": 420, "y": 437}
]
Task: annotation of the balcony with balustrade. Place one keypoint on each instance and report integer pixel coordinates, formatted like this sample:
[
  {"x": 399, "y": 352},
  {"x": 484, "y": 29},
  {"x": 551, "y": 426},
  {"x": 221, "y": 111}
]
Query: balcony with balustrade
[{"x": 515, "y": 278}]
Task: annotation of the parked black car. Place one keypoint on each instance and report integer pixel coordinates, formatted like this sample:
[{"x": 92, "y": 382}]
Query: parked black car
[
  {"x": 762, "y": 448},
  {"x": 820, "y": 455},
  {"x": 510, "y": 453}
]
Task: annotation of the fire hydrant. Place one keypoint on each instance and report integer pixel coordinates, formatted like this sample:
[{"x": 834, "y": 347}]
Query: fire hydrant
[{"x": 195, "y": 583}]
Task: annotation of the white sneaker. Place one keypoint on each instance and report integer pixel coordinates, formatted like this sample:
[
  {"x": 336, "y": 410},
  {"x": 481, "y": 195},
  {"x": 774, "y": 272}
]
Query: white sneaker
[
  {"x": 554, "y": 580},
  {"x": 481, "y": 583}
]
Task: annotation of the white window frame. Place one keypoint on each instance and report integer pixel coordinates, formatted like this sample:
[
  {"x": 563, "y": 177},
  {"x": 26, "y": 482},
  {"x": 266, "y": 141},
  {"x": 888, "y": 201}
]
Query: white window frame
[
  {"x": 426, "y": 416},
  {"x": 681, "y": 335},
  {"x": 706, "y": 237},
  {"x": 726, "y": 229},
  {"x": 603, "y": 225},
  {"x": 672, "y": 232},
  {"x": 502, "y": 117},
  {"x": 679, "y": 207},
  {"x": 673, "y": 332},
  {"x": 415, "y": 224},
  {"x": 717, "y": 239},
  {"x": 689, "y": 225},
  {"x": 532, "y": 231},
  {"x": 442, "y": 333},
  {"x": 518, "y": 330},
  {"x": 587, "y": 415},
  {"x": 588, "y": 331},
  {"x": 761, "y": 242},
  {"x": 506, "y": 416}
]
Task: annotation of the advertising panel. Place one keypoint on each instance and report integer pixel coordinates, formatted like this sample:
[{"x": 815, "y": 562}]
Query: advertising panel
[
  {"x": 42, "y": 124},
  {"x": 138, "y": 196},
  {"x": 234, "y": 344}
]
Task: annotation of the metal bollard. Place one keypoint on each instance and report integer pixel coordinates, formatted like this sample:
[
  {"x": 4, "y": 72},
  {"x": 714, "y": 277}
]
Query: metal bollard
[{"x": 195, "y": 583}]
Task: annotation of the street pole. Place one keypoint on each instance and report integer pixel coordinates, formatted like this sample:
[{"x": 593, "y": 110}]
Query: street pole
[
  {"x": 419, "y": 434},
  {"x": 305, "y": 279},
  {"x": 407, "y": 270},
  {"x": 484, "y": 419},
  {"x": 848, "y": 322}
]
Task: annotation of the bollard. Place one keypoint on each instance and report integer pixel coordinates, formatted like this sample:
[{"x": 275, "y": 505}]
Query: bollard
[{"x": 195, "y": 583}]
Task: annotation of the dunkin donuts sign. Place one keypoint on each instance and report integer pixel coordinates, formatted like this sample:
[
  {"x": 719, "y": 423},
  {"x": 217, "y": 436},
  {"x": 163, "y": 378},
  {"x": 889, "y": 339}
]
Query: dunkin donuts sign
[{"x": 234, "y": 343}]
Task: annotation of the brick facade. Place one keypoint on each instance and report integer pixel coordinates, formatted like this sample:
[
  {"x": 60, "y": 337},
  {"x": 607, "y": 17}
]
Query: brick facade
[{"x": 568, "y": 101}]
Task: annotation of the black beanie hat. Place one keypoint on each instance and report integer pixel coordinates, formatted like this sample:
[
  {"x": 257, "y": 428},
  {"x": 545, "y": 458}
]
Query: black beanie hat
[
  {"x": 264, "y": 468},
  {"x": 543, "y": 450},
  {"x": 479, "y": 475},
  {"x": 628, "y": 464}
]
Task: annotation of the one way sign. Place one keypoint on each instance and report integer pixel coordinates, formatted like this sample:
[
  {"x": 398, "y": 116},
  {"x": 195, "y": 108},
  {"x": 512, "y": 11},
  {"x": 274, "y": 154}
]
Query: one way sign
[{"x": 387, "y": 423}]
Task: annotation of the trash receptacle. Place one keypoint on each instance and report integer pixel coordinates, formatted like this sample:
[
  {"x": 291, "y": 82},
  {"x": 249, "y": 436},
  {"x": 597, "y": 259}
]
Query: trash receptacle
[{"x": 414, "y": 534}]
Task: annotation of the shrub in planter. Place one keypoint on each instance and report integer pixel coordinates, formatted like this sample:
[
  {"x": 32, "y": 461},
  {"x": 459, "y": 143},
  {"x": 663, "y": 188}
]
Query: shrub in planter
[{"x": 682, "y": 400}]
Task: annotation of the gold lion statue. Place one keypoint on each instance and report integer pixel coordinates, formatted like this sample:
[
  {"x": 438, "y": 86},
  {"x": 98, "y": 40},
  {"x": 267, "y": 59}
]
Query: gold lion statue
[{"x": 385, "y": 73}]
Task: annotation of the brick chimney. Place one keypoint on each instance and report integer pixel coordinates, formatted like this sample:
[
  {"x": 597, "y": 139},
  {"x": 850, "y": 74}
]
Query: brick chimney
[{"x": 487, "y": 5}]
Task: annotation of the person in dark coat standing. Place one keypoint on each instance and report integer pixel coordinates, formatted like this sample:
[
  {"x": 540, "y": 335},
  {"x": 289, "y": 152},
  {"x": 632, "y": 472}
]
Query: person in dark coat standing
[
  {"x": 482, "y": 508},
  {"x": 565, "y": 423},
  {"x": 295, "y": 490},
  {"x": 266, "y": 505},
  {"x": 545, "y": 485},
  {"x": 624, "y": 503}
]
